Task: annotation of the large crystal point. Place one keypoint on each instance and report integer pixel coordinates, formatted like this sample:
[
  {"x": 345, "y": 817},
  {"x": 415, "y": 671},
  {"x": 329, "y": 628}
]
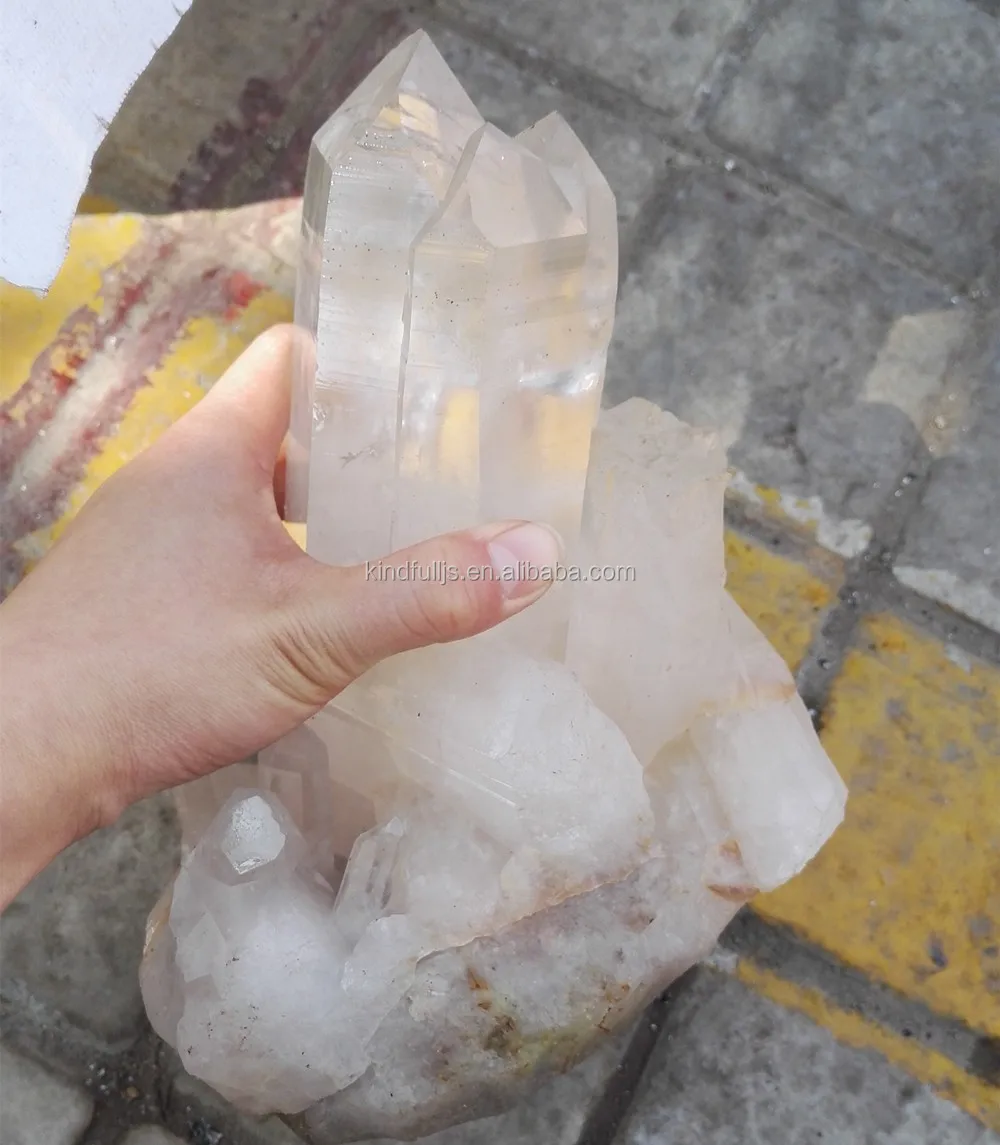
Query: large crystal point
[
  {"x": 481, "y": 858},
  {"x": 378, "y": 172}
]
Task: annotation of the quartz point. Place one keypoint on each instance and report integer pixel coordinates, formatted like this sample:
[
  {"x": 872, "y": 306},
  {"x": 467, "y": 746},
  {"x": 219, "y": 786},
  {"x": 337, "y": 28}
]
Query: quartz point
[{"x": 487, "y": 854}]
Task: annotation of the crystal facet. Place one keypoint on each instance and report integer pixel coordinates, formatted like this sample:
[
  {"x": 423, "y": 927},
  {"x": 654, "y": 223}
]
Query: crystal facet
[{"x": 481, "y": 857}]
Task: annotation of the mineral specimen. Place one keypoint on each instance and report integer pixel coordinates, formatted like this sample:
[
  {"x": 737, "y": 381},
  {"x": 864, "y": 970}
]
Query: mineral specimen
[{"x": 483, "y": 857}]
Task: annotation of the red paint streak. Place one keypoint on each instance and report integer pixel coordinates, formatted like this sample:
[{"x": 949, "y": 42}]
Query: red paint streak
[
  {"x": 23, "y": 414},
  {"x": 211, "y": 292},
  {"x": 83, "y": 334},
  {"x": 220, "y": 156},
  {"x": 241, "y": 290},
  {"x": 135, "y": 292}
]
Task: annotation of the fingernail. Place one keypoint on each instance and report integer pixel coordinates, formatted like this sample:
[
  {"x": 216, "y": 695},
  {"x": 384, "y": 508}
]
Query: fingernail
[{"x": 524, "y": 556}]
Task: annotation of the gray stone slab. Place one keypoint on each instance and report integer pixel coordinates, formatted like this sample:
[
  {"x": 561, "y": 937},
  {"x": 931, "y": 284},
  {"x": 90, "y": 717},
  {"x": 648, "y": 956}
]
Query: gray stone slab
[
  {"x": 513, "y": 99},
  {"x": 206, "y": 1114},
  {"x": 553, "y": 1115},
  {"x": 38, "y": 1108},
  {"x": 787, "y": 339},
  {"x": 658, "y": 49},
  {"x": 70, "y": 943},
  {"x": 733, "y": 1068},
  {"x": 225, "y": 73},
  {"x": 892, "y": 107},
  {"x": 150, "y": 1135},
  {"x": 951, "y": 550}
]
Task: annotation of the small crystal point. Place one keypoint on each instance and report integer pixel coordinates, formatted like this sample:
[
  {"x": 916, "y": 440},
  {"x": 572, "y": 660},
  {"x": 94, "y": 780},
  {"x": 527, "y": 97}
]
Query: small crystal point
[
  {"x": 481, "y": 857},
  {"x": 646, "y": 637},
  {"x": 253, "y": 837},
  {"x": 586, "y": 188}
]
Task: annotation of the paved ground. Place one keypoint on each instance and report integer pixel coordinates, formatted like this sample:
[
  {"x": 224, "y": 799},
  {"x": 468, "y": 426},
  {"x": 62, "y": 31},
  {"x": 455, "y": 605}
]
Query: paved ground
[{"x": 809, "y": 195}]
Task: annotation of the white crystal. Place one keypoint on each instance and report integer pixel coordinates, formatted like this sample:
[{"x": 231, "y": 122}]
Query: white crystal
[
  {"x": 482, "y": 857},
  {"x": 253, "y": 837}
]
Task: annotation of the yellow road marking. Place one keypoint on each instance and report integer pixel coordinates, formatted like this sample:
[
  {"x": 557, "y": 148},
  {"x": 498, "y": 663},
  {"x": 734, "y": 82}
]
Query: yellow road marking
[
  {"x": 782, "y": 597},
  {"x": 909, "y": 888}
]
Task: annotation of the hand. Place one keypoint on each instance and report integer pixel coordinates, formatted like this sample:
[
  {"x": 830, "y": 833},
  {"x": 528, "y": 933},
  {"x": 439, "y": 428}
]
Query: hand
[{"x": 176, "y": 627}]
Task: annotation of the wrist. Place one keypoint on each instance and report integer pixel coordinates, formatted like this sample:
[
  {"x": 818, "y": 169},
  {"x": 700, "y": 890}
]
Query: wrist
[{"x": 55, "y": 774}]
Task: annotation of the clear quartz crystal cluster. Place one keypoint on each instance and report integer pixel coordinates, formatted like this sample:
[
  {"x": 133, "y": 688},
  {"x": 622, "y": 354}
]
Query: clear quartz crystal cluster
[{"x": 483, "y": 857}]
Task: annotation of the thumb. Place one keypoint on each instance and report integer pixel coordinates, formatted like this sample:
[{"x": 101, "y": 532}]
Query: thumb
[
  {"x": 248, "y": 407},
  {"x": 342, "y": 621}
]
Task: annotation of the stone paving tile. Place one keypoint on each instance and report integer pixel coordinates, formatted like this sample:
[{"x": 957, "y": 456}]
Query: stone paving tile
[
  {"x": 71, "y": 941},
  {"x": 925, "y": 1057},
  {"x": 658, "y": 49},
  {"x": 892, "y": 107},
  {"x": 733, "y": 1068},
  {"x": 37, "y": 1108},
  {"x": 951, "y": 550},
  {"x": 754, "y": 321},
  {"x": 206, "y": 1115},
  {"x": 150, "y": 1135}
]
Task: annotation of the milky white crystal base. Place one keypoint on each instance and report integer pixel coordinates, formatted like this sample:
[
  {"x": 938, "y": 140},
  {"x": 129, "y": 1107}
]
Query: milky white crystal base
[{"x": 539, "y": 869}]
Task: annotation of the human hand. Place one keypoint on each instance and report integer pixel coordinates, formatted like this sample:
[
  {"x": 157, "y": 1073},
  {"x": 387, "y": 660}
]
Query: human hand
[{"x": 176, "y": 627}]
